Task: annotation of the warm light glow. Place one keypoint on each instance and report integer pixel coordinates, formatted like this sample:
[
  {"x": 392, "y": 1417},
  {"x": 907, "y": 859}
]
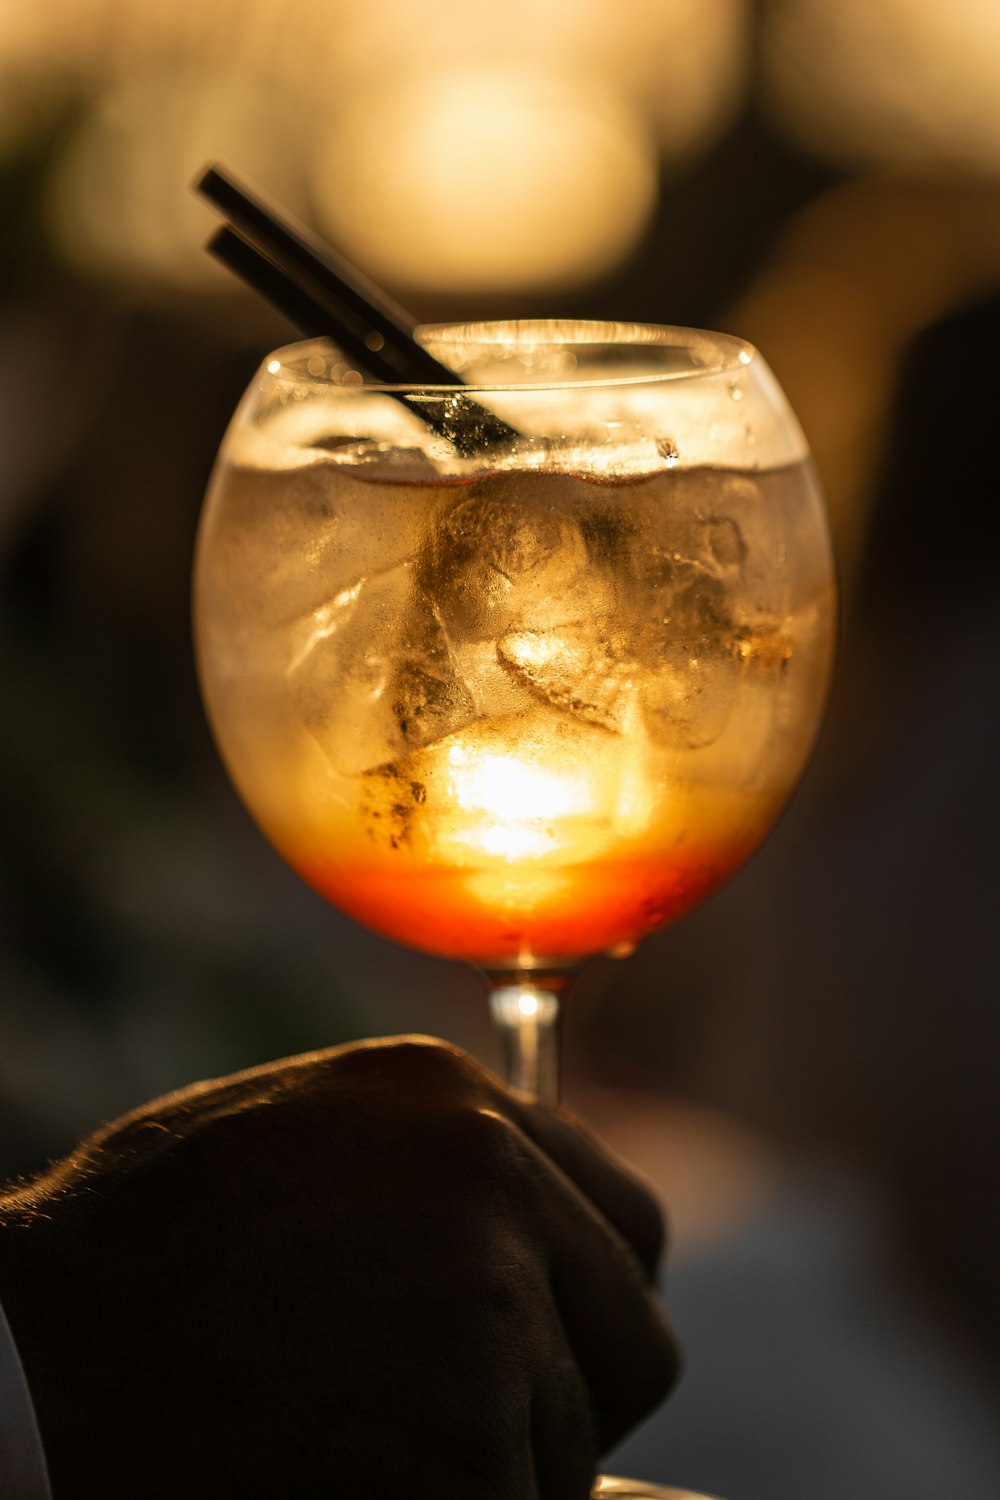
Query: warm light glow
[
  {"x": 690, "y": 63},
  {"x": 682, "y": 63},
  {"x": 514, "y": 804},
  {"x": 525, "y": 812},
  {"x": 488, "y": 177},
  {"x": 120, "y": 196},
  {"x": 637, "y": 797},
  {"x": 903, "y": 82},
  {"x": 527, "y": 1005},
  {"x": 504, "y": 146},
  {"x": 519, "y": 887},
  {"x": 502, "y": 787}
]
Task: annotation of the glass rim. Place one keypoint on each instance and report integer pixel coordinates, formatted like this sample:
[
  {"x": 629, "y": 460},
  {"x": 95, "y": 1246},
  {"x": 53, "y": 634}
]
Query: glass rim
[{"x": 711, "y": 353}]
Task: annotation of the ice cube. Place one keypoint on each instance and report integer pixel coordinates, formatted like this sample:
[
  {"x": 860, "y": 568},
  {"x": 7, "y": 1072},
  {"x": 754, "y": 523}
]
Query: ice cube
[
  {"x": 271, "y": 541},
  {"x": 688, "y": 598},
  {"x": 689, "y": 688},
  {"x": 383, "y": 502},
  {"x": 724, "y": 539},
  {"x": 374, "y": 677},
  {"x": 495, "y": 689},
  {"x": 506, "y": 552},
  {"x": 289, "y": 539},
  {"x": 700, "y": 514},
  {"x": 575, "y": 668},
  {"x": 427, "y": 696}
]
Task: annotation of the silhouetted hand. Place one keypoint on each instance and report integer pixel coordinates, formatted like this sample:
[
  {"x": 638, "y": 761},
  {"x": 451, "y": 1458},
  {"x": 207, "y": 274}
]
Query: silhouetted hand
[{"x": 370, "y": 1272}]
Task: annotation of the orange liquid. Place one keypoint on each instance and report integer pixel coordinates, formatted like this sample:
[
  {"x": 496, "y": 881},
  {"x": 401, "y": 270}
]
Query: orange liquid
[{"x": 519, "y": 916}]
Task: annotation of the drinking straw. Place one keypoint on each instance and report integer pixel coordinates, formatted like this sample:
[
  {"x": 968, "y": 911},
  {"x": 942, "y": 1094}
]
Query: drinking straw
[
  {"x": 299, "y": 252},
  {"x": 302, "y": 302},
  {"x": 327, "y": 297}
]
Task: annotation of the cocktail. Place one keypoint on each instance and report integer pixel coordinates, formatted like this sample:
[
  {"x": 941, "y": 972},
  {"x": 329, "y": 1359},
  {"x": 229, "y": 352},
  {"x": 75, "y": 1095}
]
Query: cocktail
[
  {"x": 520, "y": 706},
  {"x": 517, "y": 667}
]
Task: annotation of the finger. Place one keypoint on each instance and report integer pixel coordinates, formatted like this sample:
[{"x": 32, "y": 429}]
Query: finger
[
  {"x": 614, "y": 1190},
  {"x": 618, "y": 1332},
  {"x": 563, "y": 1440},
  {"x": 586, "y": 1216},
  {"x": 425, "y": 1075}
]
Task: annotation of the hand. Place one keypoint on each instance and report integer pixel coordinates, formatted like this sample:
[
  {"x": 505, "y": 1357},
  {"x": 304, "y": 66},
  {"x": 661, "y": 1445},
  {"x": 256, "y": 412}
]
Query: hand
[{"x": 368, "y": 1272}]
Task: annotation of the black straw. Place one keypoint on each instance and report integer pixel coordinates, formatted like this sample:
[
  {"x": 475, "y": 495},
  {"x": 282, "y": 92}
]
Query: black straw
[
  {"x": 301, "y": 302},
  {"x": 326, "y": 297}
]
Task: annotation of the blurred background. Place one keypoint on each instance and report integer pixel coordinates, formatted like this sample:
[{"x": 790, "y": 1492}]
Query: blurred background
[{"x": 807, "y": 1068}]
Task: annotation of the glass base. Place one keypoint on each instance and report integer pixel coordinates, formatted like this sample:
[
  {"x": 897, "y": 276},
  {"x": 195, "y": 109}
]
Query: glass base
[{"x": 608, "y": 1487}]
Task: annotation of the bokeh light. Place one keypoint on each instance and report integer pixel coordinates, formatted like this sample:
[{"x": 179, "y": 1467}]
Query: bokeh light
[
  {"x": 896, "y": 83},
  {"x": 487, "y": 180},
  {"x": 118, "y": 196},
  {"x": 514, "y": 146}
]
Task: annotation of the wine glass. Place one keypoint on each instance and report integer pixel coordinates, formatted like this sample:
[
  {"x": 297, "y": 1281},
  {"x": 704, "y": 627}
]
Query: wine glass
[{"x": 525, "y": 690}]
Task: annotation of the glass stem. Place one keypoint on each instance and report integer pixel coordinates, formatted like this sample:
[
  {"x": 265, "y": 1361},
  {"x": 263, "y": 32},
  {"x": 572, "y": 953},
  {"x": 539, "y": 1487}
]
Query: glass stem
[{"x": 527, "y": 1021}]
